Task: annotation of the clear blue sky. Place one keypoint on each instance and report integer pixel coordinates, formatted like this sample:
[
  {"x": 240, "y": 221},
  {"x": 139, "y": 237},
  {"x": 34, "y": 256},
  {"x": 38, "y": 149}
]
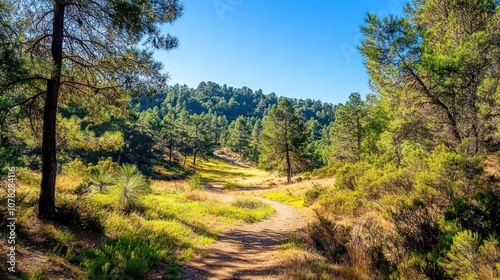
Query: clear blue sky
[{"x": 301, "y": 49}]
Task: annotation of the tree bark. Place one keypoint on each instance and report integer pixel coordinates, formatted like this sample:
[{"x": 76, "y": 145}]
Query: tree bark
[
  {"x": 287, "y": 157},
  {"x": 46, "y": 206},
  {"x": 195, "y": 152},
  {"x": 288, "y": 165},
  {"x": 170, "y": 151}
]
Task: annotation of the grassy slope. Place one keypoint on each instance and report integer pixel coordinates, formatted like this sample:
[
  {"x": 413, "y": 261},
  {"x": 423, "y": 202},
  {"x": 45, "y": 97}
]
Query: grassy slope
[{"x": 172, "y": 223}]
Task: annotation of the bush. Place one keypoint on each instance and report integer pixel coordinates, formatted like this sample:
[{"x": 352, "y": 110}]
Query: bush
[
  {"x": 416, "y": 221},
  {"x": 76, "y": 169},
  {"x": 79, "y": 213},
  {"x": 312, "y": 194},
  {"x": 480, "y": 214},
  {"x": 467, "y": 259},
  {"x": 130, "y": 186},
  {"x": 100, "y": 180},
  {"x": 329, "y": 237},
  {"x": 195, "y": 182},
  {"x": 230, "y": 186},
  {"x": 348, "y": 174}
]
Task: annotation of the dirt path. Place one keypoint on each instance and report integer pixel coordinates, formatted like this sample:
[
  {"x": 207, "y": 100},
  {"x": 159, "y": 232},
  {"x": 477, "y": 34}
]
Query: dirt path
[{"x": 248, "y": 252}]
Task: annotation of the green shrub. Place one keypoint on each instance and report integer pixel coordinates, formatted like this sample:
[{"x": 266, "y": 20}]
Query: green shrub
[
  {"x": 468, "y": 259},
  {"x": 480, "y": 214},
  {"x": 312, "y": 194},
  {"x": 76, "y": 168},
  {"x": 343, "y": 202},
  {"x": 130, "y": 186},
  {"x": 104, "y": 165},
  {"x": 348, "y": 174},
  {"x": 101, "y": 180},
  {"x": 195, "y": 182},
  {"x": 80, "y": 213}
]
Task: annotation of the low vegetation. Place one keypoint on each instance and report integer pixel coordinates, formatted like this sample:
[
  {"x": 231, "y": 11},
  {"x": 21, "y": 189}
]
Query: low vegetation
[{"x": 141, "y": 223}]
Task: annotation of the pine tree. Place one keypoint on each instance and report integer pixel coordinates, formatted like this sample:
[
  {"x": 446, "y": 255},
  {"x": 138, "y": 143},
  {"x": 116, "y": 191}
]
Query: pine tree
[
  {"x": 89, "y": 51},
  {"x": 169, "y": 133},
  {"x": 239, "y": 135},
  {"x": 438, "y": 66},
  {"x": 283, "y": 140},
  {"x": 347, "y": 131}
]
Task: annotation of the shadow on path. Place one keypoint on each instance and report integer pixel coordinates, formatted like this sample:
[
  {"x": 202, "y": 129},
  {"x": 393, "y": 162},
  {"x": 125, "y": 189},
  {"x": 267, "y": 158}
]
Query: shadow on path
[{"x": 248, "y": 252}]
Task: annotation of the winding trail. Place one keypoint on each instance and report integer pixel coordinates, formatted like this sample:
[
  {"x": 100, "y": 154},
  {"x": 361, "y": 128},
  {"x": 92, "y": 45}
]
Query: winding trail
[{"x": 248, "y": 252}]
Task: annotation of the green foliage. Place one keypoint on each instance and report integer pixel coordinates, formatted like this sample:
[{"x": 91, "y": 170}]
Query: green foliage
[
  {"x": 312, "y": 194},
  {"x": 130, "y": 254},
  {"x": 76, "y": 169},
  {"x": 283, "y": 140},
  {"x": 195, "y": 182},
  {"x": 130, "y": 186},
  {"x": 480, "y": 214},
  {"x": 80, "y": 213},
  {"x": 101, "y": 180},
  {"x": 469, "y": 259},
  {"x": 347, "y": 131},
  {"x": 239, "y": 135}
]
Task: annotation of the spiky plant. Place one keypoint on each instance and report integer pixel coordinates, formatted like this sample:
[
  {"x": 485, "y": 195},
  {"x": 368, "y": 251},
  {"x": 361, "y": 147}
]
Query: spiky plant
[
  {"x": 130, "y": 185},
  {"x": 101, "y": 181}
]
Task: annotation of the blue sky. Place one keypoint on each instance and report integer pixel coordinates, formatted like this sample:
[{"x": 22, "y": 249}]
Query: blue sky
[{"x": 301, "y": 49}]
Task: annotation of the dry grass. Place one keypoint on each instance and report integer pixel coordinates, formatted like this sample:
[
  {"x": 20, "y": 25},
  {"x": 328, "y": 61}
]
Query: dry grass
[
  {"x": 307, "y": 266},
  {"x": 198, "y": 195},
  {"x": 172, "y": 186}
]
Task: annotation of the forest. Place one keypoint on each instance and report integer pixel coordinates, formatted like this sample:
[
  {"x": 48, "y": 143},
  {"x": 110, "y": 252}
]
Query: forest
[{"x": 119, "y": 174}]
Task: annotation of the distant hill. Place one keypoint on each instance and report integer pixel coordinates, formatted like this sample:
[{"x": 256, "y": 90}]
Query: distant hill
[{"x": 210, "y": 97}]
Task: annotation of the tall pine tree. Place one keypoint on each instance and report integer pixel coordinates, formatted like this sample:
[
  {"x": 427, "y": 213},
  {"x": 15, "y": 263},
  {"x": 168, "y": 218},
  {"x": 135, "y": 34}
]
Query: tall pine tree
[
  {"x": 283, "y": 139},
  {"x": 86, "y": 52}
]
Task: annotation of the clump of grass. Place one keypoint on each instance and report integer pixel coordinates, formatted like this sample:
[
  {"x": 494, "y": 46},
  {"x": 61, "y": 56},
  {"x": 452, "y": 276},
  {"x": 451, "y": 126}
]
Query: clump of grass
[
  {"x": 296, "y": 201},
  {"x": 231, "y": 186},
  {"x": 245, "y": 214},
  {"x": 195, "y": 183},
  {"x": 198, "y": 195},
  {"x": 38, "y": 274},
  {"x": 248, "y": 203},
  {"x": 65, "y": 237},
  {"x": 293, "y": 243},
  {"x": 306, "y": 266}
]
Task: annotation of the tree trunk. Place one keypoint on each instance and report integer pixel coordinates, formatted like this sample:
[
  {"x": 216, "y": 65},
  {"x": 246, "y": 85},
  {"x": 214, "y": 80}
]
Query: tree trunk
[
  {"x": 46, "y": 205},
  {"x": 170, "y": 151},
  {"x": 194, "y": 153},
  {"x": 288, "y": 165}
]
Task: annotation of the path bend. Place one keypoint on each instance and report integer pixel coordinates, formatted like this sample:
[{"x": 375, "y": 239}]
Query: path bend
[{"x": 248, "y": 252}]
